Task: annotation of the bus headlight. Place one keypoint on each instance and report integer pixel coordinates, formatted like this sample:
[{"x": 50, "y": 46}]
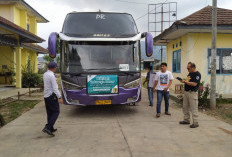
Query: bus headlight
[
  {"x": 132, "y": 84},
  {"x": 71, "y": 86}
]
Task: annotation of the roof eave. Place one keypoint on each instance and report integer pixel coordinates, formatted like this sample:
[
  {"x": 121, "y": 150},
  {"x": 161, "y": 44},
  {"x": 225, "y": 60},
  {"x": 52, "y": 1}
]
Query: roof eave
[
  {"x": 35, "y": 49},
  {"x": 171, "y": 29},
  {"x": 43, "y": 19},
  {"x": 176, "y": 27},
  {"x": 22, "y": 34}
]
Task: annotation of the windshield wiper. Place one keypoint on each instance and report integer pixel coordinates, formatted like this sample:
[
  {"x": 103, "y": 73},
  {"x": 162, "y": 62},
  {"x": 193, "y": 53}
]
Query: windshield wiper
[
  {"x": 72, "y": 74},
  {"x": 131, "y": 73},
  {"x": 122, "y": 35}
]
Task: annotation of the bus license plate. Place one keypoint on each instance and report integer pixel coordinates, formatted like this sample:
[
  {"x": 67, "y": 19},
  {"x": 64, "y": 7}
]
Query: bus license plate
[{"x": 103, "y": 102}]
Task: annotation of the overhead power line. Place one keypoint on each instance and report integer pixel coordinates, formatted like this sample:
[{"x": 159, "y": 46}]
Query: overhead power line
[
  {"x": 149, "y": 12},
  {"x": 130, "y": 2}
]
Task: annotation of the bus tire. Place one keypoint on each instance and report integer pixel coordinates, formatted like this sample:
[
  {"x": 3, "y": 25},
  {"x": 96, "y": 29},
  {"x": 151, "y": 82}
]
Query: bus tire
[{"x": 132, "y": 104}]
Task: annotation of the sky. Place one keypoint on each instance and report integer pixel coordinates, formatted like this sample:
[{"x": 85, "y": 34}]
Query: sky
[{"x": 56, "y": 10}]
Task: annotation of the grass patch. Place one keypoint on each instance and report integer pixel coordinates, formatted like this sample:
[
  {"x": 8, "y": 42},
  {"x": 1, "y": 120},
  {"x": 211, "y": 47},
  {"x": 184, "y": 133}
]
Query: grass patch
[
  {"x": 224, "y": 101},
  {"x": 223, "y": 110},
  {"x": 228, "y": 116},
  {"x": 13, "y": 110}
]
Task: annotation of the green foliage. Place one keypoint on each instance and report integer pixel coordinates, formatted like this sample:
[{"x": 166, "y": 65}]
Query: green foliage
[
  {"x": 15, "y": 109},
  {"x": 12, "y": 75},
  {"x": 203, "y": 93},
  {"x": 48, "y": 59},
  {"x": 229, "y": 116},
  {"x": 30, "y": 79},
  {"x": 41, "y": 71},
  {"x": 220, "y": 100},
  {"x": 2, "y": 121}
]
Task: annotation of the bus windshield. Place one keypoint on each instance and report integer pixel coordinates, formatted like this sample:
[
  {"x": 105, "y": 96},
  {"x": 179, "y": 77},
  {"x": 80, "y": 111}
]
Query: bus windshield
[
  {"x": 99, "y": 25},
  {"x": 88, "y": 57}
]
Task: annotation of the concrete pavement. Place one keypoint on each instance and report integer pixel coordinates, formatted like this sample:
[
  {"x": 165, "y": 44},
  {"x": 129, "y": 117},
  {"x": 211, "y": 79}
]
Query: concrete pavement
[{"x": 115, "y": 131}]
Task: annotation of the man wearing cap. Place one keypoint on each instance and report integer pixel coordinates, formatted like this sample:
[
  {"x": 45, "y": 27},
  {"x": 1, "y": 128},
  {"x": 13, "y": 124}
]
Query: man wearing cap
[{"x": 52, "y": 98}]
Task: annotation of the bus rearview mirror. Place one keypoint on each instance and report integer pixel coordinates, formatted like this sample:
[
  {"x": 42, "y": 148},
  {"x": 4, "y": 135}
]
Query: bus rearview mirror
[
  {"x": 149, "y": 44},
  {"x": 52, "y": 44}
]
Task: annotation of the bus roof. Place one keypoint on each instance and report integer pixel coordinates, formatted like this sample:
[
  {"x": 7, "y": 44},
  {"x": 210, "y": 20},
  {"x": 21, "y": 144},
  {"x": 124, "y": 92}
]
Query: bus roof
[
  {"x": 97, "y": 12},
  {"x": 96, "y": 24}
]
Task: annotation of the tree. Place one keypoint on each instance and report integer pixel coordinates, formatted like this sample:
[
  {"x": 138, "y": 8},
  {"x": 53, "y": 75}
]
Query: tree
[{"x": 48, "y": 59}]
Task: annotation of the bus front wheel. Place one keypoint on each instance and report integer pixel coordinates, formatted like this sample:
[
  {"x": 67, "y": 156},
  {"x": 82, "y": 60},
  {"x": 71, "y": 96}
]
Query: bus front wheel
[{"x": 132, "y": 104}]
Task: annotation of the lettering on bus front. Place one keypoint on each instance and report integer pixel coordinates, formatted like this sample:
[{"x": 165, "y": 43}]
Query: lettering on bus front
[{"x": 100, "y": 16}]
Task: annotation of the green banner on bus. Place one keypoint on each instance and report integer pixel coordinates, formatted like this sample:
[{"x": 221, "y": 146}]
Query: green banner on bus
[{"x": 102, "y": 84}]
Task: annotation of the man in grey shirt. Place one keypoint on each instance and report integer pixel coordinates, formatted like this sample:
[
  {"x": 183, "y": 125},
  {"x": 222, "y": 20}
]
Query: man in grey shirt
[{"x": 52, "y": 98}]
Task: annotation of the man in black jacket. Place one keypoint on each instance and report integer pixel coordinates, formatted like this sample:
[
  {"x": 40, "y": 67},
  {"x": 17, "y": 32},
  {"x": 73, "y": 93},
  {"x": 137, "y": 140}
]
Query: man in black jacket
[{"x": 191, "y": 95}]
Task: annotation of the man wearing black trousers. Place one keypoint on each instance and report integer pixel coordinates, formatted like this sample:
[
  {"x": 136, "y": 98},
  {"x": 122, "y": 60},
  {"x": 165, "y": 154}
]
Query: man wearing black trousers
[{"x": 52, "y": 98}]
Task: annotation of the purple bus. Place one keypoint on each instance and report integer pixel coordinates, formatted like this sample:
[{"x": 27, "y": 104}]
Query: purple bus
[{"x": 99, "y": 58}]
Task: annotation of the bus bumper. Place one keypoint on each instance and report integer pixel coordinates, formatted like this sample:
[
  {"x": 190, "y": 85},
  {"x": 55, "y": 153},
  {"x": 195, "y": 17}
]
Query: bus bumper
[{"x": 80, "y": 98}]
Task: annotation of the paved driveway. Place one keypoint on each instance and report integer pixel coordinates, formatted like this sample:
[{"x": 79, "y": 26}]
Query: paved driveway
[{"x": 120, "y": 131}]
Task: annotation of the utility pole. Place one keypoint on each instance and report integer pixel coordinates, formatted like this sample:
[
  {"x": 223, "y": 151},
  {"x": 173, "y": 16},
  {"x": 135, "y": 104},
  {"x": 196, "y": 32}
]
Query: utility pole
[{"x": 213, "y": 56}]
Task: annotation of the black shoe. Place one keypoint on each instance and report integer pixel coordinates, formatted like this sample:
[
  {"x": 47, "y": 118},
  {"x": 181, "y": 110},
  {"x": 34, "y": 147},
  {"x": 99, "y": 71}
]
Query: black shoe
[
  {"x": 168, "y": 113},
  {"x": 54, "y": 130},
  {"x": 151, "y": 105},
  {"x": 157, "y": 115},
  {"x": 194, "y": 125},
  {"x": 46, "y": 130},
  {"x": 184, "y": 122}
]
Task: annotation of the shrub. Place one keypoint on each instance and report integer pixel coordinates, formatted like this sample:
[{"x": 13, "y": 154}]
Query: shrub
[
  {"x": 41, "y": 71},
  {"x": 30, "y": 79},
  {"x": 203, "y": 93},
  {"x": 2, "y": 122},
  {"x": 11, "y": 72}
]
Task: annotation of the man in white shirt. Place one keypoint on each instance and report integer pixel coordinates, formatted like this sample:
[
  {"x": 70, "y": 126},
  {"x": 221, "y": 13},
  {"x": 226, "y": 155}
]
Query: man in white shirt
[
  {"x": 163, "y": 81},
  {"x": 52, "y": 98}
]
